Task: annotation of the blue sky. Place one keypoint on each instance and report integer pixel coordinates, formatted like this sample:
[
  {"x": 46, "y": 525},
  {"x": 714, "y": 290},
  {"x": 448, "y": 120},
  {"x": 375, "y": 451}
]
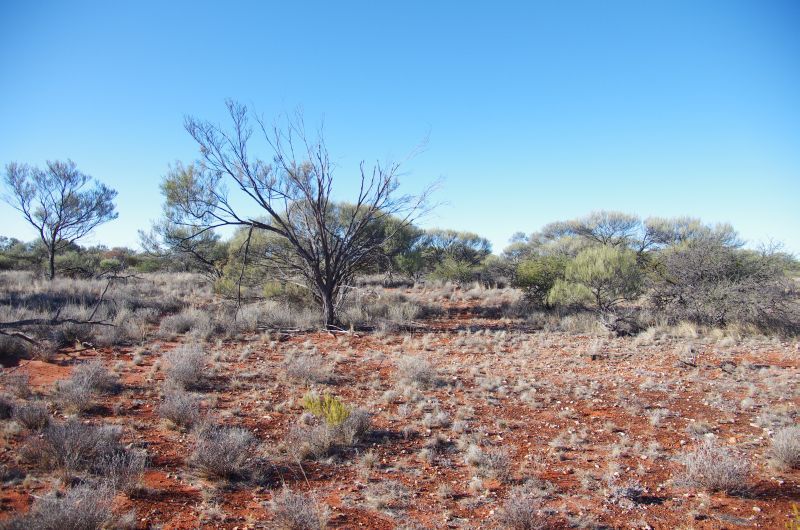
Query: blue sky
[{"x": 533, "y": 111}]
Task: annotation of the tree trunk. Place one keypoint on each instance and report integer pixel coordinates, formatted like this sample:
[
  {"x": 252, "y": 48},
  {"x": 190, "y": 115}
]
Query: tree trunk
[
  {"x": 328, "y": 309},
  {"x": 52, "y": 257}
]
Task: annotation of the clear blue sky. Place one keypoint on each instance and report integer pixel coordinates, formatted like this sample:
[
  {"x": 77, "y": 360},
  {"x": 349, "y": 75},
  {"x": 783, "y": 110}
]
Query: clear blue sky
[{"x": 535, "y": 111}]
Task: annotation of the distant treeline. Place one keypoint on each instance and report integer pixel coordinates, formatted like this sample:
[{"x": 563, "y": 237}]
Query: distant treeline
[{"x": 609, "y": 262}]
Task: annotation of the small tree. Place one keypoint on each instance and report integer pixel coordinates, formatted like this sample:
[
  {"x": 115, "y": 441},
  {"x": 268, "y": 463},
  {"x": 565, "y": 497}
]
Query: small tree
[
  {"x": 601, "y": 276},
  {"x": 54, "y": 202},
  {"x": 323, "y": 243}
]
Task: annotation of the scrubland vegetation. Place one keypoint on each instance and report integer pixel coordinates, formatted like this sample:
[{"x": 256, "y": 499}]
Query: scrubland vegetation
[{"x": 332, "y": 365}]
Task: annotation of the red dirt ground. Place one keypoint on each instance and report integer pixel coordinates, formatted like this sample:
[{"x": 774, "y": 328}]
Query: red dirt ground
[{"x": 510, "y": 389}]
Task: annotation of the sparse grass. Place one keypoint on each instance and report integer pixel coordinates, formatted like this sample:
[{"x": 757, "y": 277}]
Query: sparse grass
[
  {"x": 298, "y": 511},
  {"x": 84, "y": 507},
  {"x": 181, "y": 408},
  {"x": 186, "y": 366},
  {"x": 416, "y": 371},
  {"x": 32, "y": 415},
  {"x": 76, "y": 394},
  {"x": 73, "y": 446},
  {"x": 785, "y": 449},
  {"x": 492, "y": 463},
  {"x": 307, "y": 367},
  {"x": 521, "y": 511},
  {"x": 715, "y": 468},
  {"x": 223, "y": 452}
]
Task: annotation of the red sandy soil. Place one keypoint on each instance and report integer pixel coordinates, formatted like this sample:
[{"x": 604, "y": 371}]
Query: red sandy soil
[{"x": 517, "y": 392}]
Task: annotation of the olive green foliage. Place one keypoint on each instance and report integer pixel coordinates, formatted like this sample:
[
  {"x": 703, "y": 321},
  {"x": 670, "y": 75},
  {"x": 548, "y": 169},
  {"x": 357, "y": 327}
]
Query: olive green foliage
[
  {"x": 327, "y": 407},
  {"x": 453, "y": 270},
  {"x": 536, "y": 276},
  {"x": 181, "y": 245},
  {"x": 453, "y": 256},
  {"x": 73, "y": 260},
  {"x": 600, "y": 276}
]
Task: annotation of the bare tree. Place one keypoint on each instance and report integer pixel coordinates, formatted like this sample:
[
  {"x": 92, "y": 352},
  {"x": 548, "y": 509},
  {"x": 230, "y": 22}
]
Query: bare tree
[
  {"x": 53, "y": 201},
  {"x": 321, "y": 243}
]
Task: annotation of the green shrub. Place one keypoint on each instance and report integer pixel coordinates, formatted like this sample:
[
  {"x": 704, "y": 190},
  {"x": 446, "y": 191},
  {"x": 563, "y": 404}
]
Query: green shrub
[
  {"x": 327, "y": 407},
  {"x": 536, "y": 276},
  {"x": 599, "y": 276},
  {"x": 453, "y": 270}
]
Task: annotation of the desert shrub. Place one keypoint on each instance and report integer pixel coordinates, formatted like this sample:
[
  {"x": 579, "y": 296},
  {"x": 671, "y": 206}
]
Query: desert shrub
[
  {"x": 297, "y": 511},
  {"x": 714, "y": 468},
  {"x": 307, "y": 367},
  {"x": 77, "y": 392},
  {"x": 73, "y": 446},
  {"x": 96, "y": 377},
  {"x": 19, "y": 385},
  {"x": 331, "y": 424},
  {"x": 387, "y": 494},
  {"x": 355, "y": 426},
  {"x": 222, "y": 452},
  {"x": 785, "y": 449},
  {"x": 282, "y": 315},
  {"x": 601, "y": 277},
  {"x": 6, "y": 408},
  {"x": 84, "y": 507},
  {"x": 455, "y": 270},
  {"x": 186, "y": 366},
  {"x": 329, "y": 408},
  {"x": 181, "y": 408},
  {"x": 710, "y": 283},
  {"x": 123, "y": 469},
  {"x": 493, "y": 463},
  {"x": 32, "y": 415},
  {"x": 416, "y": 371},
  {"x": 190, "y": 319},
  {"x": 311, "y": 441},
  {"x": 388, "y": 312},
  {"x": 521, "y": 511},
  {"x": 13, "y": 348}
]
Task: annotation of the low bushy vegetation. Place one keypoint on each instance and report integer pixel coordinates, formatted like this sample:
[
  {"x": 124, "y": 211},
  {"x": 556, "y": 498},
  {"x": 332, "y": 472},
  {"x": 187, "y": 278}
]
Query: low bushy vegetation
[
  {"x": 185, "y": 366},
  {"x": 181, "y": 408},
  {"x": 298, "y": 511},
  {"x": 715, "y": 468},
  {"x": 223, "y": 452},
  {"x": 785, "y": 449},
  {"x": 32, "y": 415},
  {"x": 328, "y": 424},
  {"x": 522, "y": 510},
  {"x": 83, "y": 507}
]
